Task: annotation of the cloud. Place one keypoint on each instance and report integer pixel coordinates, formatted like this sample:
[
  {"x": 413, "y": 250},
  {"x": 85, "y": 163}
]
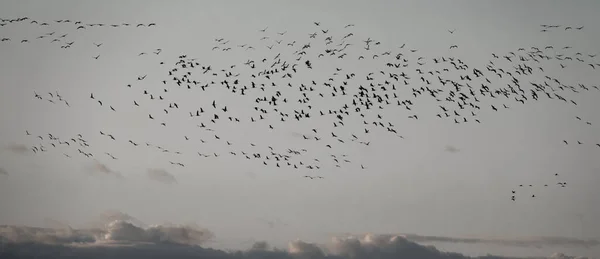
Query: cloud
[
  {"x": 21, "y": 234},
  {"x": 98, "y": 167},
  {"x": 52, "y": 223},
  {"x": 537, "y": 242},
  {"x": 3, "y": 171},
  {"x": 451, "y": 149},
  {"x": 122, "y": 239},
  {"x": 161, "y": 175},
  {"x": 122, "y": 231},
  {"x": 563, "y": 256},
  {"x": 18, "y": 149},
  {"x": 305, "y": 250},
  {"x": 260, "y": 246},
  {"x": 114, "y": 215},
  {"x": 118, "y": 232}
]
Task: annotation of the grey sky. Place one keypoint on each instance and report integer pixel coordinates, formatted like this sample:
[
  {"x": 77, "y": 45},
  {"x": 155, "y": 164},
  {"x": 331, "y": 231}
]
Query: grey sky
[{"x": 442, "y": 179}]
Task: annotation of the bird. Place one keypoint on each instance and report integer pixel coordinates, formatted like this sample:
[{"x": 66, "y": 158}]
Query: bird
[{"x": 334, "y": 99}]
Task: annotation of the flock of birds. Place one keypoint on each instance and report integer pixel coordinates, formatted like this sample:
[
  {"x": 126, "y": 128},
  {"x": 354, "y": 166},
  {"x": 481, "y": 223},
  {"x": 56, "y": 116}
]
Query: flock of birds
[
  {"x": 54, "y": 38},
  {"x": 281, "y": 89}
]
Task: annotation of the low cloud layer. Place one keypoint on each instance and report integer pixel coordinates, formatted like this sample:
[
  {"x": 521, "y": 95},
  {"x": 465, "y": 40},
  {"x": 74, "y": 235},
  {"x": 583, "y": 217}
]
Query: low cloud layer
[
  {"x": 116, "y": 232},
  {"x": 537, "y": 242},
  {"x": 121, "y": 238},
  {"x": 161, "y": 175}
]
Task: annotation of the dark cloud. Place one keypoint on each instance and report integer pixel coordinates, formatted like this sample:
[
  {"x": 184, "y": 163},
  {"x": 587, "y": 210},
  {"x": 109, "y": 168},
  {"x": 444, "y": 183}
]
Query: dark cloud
[
  {"x": 121, "y": 239},
  {"x": 119, "y": 236},
  {"x": 18, "y": 149},
  {"x": 161, "y": 175},
  {"x": 53, "y": 223},
  {"x": 260, "y": 246},
  {"x": 19, "y": 234},
  {"x": 122, "y": 231},
  {"x": 3, "y": 171}
]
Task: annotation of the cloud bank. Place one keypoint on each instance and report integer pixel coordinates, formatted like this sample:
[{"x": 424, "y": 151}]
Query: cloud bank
[
  {"x": 116, "y": 232},
  {"x": 537, "y": 242},
  {"x": 121, "y": 238}
]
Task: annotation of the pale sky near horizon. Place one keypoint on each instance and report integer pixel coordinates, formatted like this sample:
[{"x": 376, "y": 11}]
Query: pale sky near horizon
[{"x": 411, "y": 185}]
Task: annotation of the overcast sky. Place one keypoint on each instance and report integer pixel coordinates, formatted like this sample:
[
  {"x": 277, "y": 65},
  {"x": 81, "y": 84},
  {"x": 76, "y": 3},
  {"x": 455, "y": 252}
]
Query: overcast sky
[{"x": 441, "y": 179}]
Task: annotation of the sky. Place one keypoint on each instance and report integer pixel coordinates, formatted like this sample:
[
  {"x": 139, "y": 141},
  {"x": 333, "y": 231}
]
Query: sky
[{"x": 441, "y": 179}]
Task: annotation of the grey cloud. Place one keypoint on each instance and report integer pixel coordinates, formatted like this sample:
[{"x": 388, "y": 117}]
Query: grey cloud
[
  {"x": 383, "y": 246},
  {"x": 563, "y": 256},
  {"x": 117, "y": 232},
  {"x": 121, "y": 239},
  {"x": 260, "y": 246},
  {"x": 3, "y": 171},
  {"x": 451, "y": 149},
  {"x": 161, "y": 175},
  {"x": 98, "y": 167},
  {"x": 18, "y": 149},
  {"x": 114, "y": 215},
  {"x": 127, "y": 232},
  {"x": 520, "y": 242},
  {"x": 21, "y": 234}
]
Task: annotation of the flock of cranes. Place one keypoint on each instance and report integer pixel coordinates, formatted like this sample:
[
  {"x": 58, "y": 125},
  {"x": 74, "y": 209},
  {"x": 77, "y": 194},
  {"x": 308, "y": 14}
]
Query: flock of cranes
[
  {"x": 278, "y": 81},
  {"x": 54, "y": 38}
]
